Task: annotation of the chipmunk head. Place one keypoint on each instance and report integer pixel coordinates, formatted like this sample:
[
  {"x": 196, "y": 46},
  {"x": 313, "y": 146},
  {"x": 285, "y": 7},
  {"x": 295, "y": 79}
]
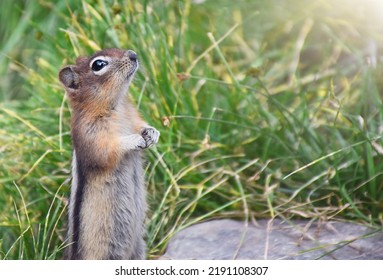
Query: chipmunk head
[{"x": 102, "y": 76}]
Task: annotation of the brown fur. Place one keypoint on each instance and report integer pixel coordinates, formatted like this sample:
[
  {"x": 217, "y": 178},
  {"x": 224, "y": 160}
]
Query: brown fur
[{"x": 107, "y": 207}]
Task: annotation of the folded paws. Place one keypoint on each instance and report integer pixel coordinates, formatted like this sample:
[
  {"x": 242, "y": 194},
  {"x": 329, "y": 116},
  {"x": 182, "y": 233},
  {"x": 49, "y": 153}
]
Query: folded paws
[{"x": 150, "y": 135}]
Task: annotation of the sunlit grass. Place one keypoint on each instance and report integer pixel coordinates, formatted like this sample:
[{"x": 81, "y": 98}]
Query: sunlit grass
[{"x": 265, "y": 110}]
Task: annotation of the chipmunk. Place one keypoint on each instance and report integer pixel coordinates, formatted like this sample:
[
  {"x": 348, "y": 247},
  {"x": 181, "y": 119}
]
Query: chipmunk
[{"x": 107, "y": 202}]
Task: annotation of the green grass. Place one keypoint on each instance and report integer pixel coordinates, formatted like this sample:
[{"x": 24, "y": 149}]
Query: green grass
[{"x": 266, "y": 109}]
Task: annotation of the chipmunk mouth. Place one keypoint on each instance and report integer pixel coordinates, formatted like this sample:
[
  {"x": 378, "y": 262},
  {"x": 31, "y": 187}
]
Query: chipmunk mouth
[{"x": 133, "y": 69}]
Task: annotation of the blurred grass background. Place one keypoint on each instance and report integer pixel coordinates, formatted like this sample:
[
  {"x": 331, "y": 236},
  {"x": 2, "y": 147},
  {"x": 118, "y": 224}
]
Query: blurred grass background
[{"x": 266, "y": 109}]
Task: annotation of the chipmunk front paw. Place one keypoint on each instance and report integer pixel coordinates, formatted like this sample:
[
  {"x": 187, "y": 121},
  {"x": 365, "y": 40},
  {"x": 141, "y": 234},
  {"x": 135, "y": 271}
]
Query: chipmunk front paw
[
  {"x": 133, "y": 142},
  {"x": 138, "y": 142},
  {"x": 150, "y": 135}
]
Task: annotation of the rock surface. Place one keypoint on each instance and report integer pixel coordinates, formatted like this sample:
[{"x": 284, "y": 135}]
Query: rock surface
[{"x": 276, "y": 239}]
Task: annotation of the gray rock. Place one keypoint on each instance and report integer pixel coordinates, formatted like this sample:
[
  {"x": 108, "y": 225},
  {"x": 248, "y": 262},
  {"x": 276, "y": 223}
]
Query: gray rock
[{"x": 276, "y": 239}]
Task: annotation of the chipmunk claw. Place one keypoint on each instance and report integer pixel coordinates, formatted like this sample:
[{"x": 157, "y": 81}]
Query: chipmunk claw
[{"x": 150, "y": 135}]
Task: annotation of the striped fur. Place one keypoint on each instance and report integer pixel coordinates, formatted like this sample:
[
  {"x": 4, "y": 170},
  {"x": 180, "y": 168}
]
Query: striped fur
[
  {"x": 112, "y": 212},
  {"x": 107, "y": 202}
]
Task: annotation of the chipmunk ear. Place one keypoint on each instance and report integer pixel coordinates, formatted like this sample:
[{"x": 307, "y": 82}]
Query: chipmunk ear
[{"x": 69, "y": 78}]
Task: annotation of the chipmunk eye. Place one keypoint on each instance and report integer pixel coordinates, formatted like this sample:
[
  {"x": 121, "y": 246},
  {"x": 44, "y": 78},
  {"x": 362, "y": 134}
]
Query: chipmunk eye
[{"x": 99, "y": 64}]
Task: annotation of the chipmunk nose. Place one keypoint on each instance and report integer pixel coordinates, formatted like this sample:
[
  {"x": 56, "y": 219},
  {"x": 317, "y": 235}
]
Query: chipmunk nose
[{"x": 132, "y": 55}]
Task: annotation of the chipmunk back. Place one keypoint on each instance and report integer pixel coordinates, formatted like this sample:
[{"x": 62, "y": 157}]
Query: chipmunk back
[{"x": 108, "y": 202}]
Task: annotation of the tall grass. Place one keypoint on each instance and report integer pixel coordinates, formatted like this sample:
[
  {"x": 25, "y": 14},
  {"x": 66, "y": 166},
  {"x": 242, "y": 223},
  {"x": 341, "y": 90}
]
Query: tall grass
[{"x": 266, "y": 109}]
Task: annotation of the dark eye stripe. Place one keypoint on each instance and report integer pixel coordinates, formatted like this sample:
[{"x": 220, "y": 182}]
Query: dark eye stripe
[{"x": 99, "y": 64}]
